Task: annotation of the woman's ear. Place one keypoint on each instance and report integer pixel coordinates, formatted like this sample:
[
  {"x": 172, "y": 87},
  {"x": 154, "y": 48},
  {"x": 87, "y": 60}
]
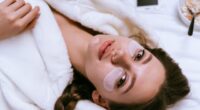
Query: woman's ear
[{"x": 99, "y": 100}]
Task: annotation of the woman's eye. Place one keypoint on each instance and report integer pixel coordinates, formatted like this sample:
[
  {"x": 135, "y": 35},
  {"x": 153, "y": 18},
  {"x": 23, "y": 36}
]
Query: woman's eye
[
  {"x": 139, "y": 56},
  {"x": 121, "y": 81}
]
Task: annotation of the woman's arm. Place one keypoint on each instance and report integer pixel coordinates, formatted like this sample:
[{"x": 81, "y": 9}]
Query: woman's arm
[{"x": 15, "y": 17}]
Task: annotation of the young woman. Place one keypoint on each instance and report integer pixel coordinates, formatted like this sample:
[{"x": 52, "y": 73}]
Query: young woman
[
  {"x": 119, "y": 73},
  {"x": 15, "y": 17}
]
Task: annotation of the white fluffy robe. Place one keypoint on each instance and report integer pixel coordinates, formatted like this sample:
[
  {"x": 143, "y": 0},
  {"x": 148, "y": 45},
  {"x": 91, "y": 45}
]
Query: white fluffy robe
[
  {"x": 34, "y": 66},
  {"x": 106, "y": 16}
]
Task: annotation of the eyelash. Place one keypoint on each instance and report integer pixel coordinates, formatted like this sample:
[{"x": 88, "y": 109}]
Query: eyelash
[{"x": 139, "y": 55}]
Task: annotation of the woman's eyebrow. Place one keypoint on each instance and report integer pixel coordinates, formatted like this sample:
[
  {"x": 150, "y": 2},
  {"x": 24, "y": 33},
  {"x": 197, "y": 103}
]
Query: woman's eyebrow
[
  {"x": 132, "y": 78},
  {"x": 148, "y": 59}
]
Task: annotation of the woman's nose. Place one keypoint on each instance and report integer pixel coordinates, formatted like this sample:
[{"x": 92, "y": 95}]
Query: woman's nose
[{"x": 119, "y": 57}]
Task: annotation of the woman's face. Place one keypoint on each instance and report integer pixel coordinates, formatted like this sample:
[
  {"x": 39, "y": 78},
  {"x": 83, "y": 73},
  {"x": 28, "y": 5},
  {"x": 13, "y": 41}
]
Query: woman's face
[{"x": 122, "y": 70}]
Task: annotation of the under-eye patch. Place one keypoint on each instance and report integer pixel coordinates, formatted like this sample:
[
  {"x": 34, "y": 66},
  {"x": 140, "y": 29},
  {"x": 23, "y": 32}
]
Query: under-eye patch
[{"x": 111, "y": 78}]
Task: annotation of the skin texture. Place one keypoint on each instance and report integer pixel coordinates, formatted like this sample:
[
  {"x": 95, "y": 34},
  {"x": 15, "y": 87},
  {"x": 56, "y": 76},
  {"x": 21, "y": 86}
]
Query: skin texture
[
  {"x": 15, "y": 17},
  {"x": 83, "y": 48}
]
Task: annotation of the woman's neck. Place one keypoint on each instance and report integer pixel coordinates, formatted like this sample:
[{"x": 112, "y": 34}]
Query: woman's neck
[{"x": 76, "y": 40}]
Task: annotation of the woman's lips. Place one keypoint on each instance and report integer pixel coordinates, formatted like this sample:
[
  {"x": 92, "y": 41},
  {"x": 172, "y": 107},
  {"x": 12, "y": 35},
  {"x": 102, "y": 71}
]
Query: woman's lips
[{"x": 103, "y": 48}]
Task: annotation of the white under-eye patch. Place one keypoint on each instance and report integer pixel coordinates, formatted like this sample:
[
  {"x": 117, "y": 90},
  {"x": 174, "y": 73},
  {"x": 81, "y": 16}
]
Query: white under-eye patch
[
  {"x": 133, "y": 46},
  {"x": 111, "y": 78}
]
